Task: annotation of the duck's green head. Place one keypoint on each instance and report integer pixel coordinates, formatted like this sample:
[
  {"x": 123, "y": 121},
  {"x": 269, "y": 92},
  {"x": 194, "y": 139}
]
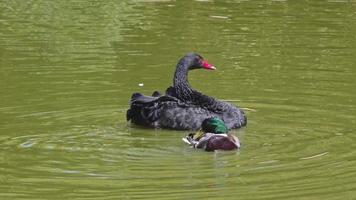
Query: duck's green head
[{"x": 214, "y": 125}]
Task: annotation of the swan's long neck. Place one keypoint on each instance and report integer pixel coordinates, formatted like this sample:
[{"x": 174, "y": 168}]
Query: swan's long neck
[
  {"x": 182, "y": 89},
  {"x": 181, "y": 83},
  {"x": 186, "y": 93}
]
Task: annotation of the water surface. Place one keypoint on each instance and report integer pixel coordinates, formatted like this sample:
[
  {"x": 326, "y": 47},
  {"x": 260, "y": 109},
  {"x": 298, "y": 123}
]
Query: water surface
[{"x": 68, "y": 69}]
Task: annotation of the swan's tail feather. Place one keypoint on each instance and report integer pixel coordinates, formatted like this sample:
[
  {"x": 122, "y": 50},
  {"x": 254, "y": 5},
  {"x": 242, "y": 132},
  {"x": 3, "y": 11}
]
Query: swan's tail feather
[
  {"x": 136, "y": 95},
  {"x": 156, "y": 94},
  {"x": 135, "y": 106},
  {"x": 171, "y": 91},
  {"x": 143, "y": 109},
  {"x": 140, "y": 98}
]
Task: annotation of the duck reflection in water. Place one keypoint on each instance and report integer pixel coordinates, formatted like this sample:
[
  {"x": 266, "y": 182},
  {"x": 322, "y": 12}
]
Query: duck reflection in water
[{"x": 212, "y": 136}]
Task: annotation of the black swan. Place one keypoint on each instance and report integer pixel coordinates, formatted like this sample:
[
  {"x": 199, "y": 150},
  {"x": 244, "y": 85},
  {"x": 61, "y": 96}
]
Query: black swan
[{"x": 182, "y": 107}]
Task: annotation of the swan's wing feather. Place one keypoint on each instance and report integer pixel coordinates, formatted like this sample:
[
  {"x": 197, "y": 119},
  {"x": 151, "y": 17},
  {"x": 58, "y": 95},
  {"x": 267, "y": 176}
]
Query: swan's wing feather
[{"x": 146, "y": 109}]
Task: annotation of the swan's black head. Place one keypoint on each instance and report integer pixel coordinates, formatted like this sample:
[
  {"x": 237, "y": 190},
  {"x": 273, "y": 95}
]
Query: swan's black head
[{"x": 195, "y": 61}]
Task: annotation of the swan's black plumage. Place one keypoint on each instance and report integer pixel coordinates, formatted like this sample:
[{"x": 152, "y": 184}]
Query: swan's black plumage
[{"x": 182, "y": 107}]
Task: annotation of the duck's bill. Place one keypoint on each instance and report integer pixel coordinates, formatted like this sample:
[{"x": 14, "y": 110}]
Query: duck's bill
[
  {"x": 186, "y": 141},
  {"x": 199, "y": 134},
  {"x": 209, "y": 66}
]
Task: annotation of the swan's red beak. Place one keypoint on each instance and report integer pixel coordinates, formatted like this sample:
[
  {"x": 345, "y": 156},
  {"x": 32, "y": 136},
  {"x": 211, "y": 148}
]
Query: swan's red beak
[{"x": 207, "y": 65}]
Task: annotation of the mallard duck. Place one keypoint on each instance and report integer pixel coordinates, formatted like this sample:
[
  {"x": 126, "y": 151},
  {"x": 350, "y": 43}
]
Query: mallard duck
[
  {"x": 182, "y": 107},
  {"x": 213, "y": 136}
]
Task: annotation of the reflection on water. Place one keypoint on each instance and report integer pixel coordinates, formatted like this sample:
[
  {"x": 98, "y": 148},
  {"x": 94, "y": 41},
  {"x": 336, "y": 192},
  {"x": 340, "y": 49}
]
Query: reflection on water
[{"x": 67, "y": 70}]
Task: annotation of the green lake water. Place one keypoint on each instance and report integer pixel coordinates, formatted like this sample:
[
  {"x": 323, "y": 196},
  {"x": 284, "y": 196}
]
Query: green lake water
[{"x": 68, "y": 69}]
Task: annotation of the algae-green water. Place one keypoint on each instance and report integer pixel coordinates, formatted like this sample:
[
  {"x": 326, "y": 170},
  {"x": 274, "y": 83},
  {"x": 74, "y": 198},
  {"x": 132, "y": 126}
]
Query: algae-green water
[{"x": 68, "y": 69}]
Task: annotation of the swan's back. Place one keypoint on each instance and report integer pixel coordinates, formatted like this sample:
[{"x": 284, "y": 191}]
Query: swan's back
[
  {"x": 165, "y": 112},
  {"x": 170, "y": 112},
  {"x": 233, "y": 116}
]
